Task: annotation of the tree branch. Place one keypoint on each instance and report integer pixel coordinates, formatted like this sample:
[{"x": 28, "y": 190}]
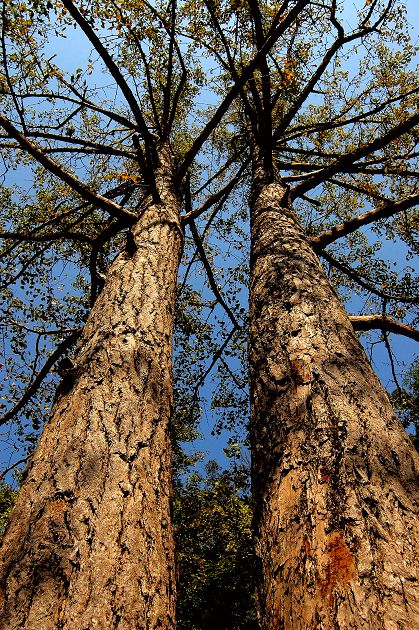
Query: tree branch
[
  {"x": 215, "y": 358},
  {"x": 56, "y": 169},
  {"x": 384, "y": 211},
  {"x": 365, "y": 284},
  {"x": 335, "y": 123},
  {"x": 348, "y": 159},
  {"x": 223, "y": 193},
  {"x": 23, "y": 268},
  {"x": 384, "y": 323},
  {"x": 359, "y": 189},
  {"x": 337, "y": 45},
  {"x": 112, "y": 67},
  {"x": 214, "y": 213},
  {"x": 100, "y": 148},
  {"x": 80, "y": 101},
  {"x": 42, "y": 238},
  {"x": 246, "y": 74},
  {"x": 210, "y": 276},
  {"x": 34, "y": 386},
  {"x": 206, "y": 264},
  {"x": 167, "y": 90},
  {"x": 13, "y": 466},
  {"x": 145, "y": 63},
  {"x": 6, "y": 68}
]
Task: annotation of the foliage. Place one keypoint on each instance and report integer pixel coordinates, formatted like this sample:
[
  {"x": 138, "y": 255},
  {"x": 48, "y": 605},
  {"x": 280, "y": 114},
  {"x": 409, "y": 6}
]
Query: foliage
[
  {"x": 215, "y": 560},
  {"x": 8, "y": 495},
  {"x": 406, "y": 402}
]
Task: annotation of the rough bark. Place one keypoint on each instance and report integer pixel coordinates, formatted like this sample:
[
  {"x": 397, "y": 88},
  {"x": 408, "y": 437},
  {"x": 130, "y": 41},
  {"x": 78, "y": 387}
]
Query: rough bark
[
  {"x": 334, "y": 474},
  {"x": 90, "y": 542}
]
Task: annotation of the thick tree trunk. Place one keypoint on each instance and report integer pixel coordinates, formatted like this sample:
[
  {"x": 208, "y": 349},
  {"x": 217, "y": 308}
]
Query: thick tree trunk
[
  {"x": 334, "y": 474},
  {"x": 90, "y": 542}
]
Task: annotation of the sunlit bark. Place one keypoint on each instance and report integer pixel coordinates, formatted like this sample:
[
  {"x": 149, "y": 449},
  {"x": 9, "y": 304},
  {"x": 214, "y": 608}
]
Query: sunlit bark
[
  {"x": 90, "y": 542},
  {"x": 334, "y": 474}
]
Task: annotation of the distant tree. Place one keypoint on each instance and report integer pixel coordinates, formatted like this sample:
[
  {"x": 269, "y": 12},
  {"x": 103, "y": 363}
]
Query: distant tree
[{"x": 215, "y": 551}]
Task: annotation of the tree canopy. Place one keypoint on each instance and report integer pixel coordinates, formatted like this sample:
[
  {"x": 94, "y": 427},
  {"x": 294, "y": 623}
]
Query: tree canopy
[{"x": 340, "y": 91}]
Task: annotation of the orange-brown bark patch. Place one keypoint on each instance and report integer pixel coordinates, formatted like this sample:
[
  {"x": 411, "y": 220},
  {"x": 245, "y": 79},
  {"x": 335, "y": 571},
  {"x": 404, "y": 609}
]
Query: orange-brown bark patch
[
  {"x": 340, "y": 564},
  {"x": 301, "y": 369},
  {"x": 324, "y": 475}
]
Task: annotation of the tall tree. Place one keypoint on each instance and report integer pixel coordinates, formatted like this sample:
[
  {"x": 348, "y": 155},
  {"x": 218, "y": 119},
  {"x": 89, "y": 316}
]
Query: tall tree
[
  {"x": 108, "y": 155},
  {"x": 97, "y": 491},
  {"x": 334, "y": 474}
]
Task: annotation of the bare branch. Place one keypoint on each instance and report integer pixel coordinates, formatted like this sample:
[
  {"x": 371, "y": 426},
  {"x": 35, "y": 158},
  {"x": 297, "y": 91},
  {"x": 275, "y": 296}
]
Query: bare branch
[
  {"x": 112, "y": 193},
  {"x": 216, "y": 175},
  {"x": 100, "y": 148},
  {"x": 365, "y": 284},
  {"x": 335, "y": 123},
  {"x": 113, "y": 69},
  {"x": 23, "y": 268},
  {"x": 145, "y": 63},
  {"x": 13, "y": 466},
  {"x": 6, "y": 68},
  {"x": 382, "y": 212},
  {"x": 347, "y": 160},
  {"x": 210, "y": 276},
  {"x": 35, "y": 331},
  {"x": 208, "y": 224},
  {"x": 81, "y": 101},
  {"x": 265, "y": 115},
  {"x": 206, "y": 264},
  {"x": 275, "y": 32},
  {"x": 169, "y": 74},
  {"x": 215, "y": 358},
  {"x": 229, "y": 65},
  {"x": 358, "y": 189},
  {"x": 42, "y": 238},
  {"x": 384, "y": 323},
  {"x": 77, "y": 150},
  {"x": 223, "y": 193},
  {"x": 341, "y": 41},
  {"x": 296, "y": 106}
]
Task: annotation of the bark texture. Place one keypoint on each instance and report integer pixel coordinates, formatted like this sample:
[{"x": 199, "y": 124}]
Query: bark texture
[
  {"x": 90, "y": 542},
  {"x": 334, "y": 474}
]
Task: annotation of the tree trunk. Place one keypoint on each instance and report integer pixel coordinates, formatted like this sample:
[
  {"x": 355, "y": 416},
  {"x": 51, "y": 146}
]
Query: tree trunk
[
  {"x": 90, "y": 541},
  {"x": 334, "y": 474}
]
